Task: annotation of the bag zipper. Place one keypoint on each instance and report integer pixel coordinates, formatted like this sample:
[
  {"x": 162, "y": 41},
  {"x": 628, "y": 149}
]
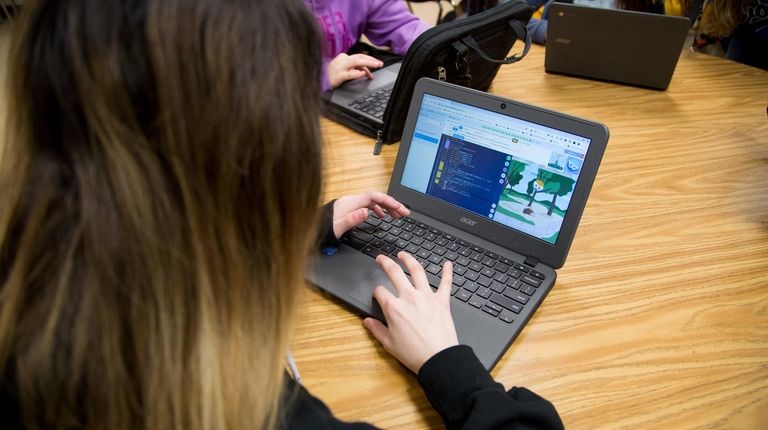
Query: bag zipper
[{"x": 378, "y": 143}]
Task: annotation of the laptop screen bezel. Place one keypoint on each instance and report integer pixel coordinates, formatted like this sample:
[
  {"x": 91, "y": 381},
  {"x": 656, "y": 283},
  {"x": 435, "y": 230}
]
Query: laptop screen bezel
[{"x": 553, "y": 255}]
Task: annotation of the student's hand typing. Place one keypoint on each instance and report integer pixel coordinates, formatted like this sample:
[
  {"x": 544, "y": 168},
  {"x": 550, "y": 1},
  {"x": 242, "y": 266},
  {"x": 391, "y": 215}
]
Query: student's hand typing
[
  {"x": 349, "y": 211},
  {"x": 419, "y": 322},
  {"x": 347, "y": 67}
]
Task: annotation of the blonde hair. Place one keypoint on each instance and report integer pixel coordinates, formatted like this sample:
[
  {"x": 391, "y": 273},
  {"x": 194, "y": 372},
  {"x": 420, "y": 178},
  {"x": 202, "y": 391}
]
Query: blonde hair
[
  {"x": 720, "y": 17},
  {"x": 161, "y": 169}
]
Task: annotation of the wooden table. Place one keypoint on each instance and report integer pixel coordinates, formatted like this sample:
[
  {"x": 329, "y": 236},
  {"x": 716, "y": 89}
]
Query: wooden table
[{"x": 659, "y": 318}]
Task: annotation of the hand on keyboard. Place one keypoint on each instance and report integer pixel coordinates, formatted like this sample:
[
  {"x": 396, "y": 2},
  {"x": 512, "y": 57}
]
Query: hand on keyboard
[
  {"x": 419, "y": 322},
  {"x": 345, "y": 67},
  {"x": 349, "y": 211}
]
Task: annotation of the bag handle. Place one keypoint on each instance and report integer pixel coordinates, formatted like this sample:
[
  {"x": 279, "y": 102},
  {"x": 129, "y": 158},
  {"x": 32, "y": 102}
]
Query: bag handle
[{"x": 521, "y": 31}]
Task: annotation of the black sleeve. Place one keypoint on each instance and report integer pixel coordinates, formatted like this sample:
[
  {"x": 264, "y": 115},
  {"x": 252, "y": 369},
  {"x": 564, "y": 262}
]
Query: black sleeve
[
  {"x": 326, "y": 237},
  {"x": 466, "y": 397},
  {"x": 302, "y": 410}
]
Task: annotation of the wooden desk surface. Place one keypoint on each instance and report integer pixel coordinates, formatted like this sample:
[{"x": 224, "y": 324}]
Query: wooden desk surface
[{"x": 659, "y": 318}]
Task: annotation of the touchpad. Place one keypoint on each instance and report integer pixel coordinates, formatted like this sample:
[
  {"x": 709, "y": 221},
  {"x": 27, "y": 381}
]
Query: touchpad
[{"x": 363, "y": 293}]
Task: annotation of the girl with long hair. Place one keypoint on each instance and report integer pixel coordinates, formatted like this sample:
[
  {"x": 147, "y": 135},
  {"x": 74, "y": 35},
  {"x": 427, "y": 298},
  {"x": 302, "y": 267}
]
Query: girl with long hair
[{"x": 151, "y": 242}]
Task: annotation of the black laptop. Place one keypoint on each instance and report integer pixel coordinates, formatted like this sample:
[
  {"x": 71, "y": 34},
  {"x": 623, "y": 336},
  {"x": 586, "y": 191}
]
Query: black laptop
[
  {"x": 496, "y": 186},
  {"x": 468, "y": 52},
  {"x": 621, "y": 46}
]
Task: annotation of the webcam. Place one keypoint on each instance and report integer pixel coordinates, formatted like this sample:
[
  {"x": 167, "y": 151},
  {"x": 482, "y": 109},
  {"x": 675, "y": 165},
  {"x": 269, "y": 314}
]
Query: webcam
[{"x": 503, "y": 105}]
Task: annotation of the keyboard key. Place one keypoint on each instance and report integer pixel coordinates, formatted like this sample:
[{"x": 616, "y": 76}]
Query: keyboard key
[
  {"x": 538, "y": 274},
  {"x": 471, "y": 286},
  {"x": 514, "y": 273},
  {"x": 439, "y": 250},
  {"x": 506, "y": 303},
  {"x": 527, "y": 290},
  {"x": 373, "y": 252},
  {"x": 507, "y": 316},
  {"x": 436, "y": 259},
  {"x": 423, "y": 253},
  {"x": 514, "y": 284},
  {"x": 521, "y": 268},
  {"x": 450, "y": 255},
  {"x": 483, "y": 292},
  {"x": 459, "y": 280},
  {"x": 494, "y": 306},
  {"x": 488, "y": 261},
  {"x": 390, "y": 238},
  {"x": 484, "y": 281},
  {"x": 498, "y": 287},
  {"x": 475, "y": 266},
  {"x": 400, "y": 243},
  {"x": 463, "y": 295},
  {"x": 487, "y": 271},
  {"x": 476, "y": 301},
  {"x": 412, "y": 249},
  {"x": 365, "y": 237},
  {"x": 459, "y": 270},
  {"x": 476, "y": 256},
  {"x": 528, "y": 279},
  {"x": 501, "y": 267},
  {"x": 490, "y": 311},
  {"x": 493, "y": 255},
  {"x": 520, "y": 298},
  {"x": 501, "y": 277},
  {"x": 434, "y": 269},
  {"x": 463, "y": 261},
  {"x": 472, "y": 276}
]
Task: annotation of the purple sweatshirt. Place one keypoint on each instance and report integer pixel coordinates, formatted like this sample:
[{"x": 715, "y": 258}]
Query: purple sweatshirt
[{"x": 384, "y": 22}]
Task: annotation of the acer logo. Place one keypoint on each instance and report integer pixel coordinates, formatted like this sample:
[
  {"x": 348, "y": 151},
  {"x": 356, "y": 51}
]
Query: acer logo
[
  {"x": 563, "y": 41},
  {"x": 468, "y": 221}
]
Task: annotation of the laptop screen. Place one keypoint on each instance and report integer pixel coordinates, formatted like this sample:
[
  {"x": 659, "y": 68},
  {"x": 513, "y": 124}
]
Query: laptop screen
[{"x": 517, "y": 173}]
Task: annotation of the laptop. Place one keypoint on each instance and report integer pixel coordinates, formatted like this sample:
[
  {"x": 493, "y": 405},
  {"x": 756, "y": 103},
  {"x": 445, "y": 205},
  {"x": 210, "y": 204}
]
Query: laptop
[
  {"x": 367, "y": 98},
  {"x": 621, "y": 46},
  {"x": 495, "y": 185},
  {"x": 468, "y": 51}
]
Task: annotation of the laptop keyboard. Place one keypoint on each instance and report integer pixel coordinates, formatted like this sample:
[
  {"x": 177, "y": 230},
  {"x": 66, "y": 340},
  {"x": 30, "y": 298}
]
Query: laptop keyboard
[
  {"x": 373, "y": 103},
  {"x": 482, "y": 279}
]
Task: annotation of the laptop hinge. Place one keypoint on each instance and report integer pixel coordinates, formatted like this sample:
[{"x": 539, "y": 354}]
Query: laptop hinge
[{"x": 531, "y": 261}]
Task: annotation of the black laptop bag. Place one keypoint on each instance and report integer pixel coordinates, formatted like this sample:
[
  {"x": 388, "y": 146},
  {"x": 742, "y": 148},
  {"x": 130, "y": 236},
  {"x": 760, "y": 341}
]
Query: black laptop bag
[{"x": 467, "y": 52}]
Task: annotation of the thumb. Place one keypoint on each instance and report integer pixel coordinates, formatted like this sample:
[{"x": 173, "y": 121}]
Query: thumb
[
  {"x": 341, "y": 225},
  {"x": 378, "y": 330}
]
